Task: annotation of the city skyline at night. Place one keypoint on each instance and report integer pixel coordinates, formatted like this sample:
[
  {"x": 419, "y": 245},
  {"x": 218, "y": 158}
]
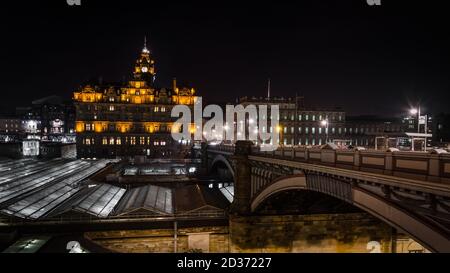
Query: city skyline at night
[
  {"x": 341, "y": 52},
  {"x": 238, "y": 129}
]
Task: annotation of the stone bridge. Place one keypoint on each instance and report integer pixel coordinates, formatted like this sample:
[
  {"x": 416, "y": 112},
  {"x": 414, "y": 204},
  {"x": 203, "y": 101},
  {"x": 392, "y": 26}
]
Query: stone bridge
[{"x": 408, "y": 190}]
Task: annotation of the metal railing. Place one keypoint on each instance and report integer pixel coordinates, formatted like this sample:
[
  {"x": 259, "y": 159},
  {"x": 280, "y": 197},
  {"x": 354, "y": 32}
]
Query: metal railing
[
  {"x": 432, "y": 165},
  {"x": 88, "y": 218}
]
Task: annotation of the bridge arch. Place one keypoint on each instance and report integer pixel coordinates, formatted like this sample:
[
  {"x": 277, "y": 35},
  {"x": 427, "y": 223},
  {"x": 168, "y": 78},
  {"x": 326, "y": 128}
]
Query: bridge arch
[
  {"x": 220, "y": 159},
  {"x": 382, "y": 209}
]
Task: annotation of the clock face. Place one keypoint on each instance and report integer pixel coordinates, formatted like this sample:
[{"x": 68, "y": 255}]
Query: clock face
[{"x": 144, "y": 69}]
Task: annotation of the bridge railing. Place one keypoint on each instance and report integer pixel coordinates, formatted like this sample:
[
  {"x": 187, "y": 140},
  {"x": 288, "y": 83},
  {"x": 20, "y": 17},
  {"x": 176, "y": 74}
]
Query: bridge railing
[{"x": 432, "y": 166}]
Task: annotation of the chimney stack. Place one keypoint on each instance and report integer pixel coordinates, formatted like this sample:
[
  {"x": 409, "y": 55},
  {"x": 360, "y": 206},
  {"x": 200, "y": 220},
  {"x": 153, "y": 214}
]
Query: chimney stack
[{"x": 174, "y": 83}]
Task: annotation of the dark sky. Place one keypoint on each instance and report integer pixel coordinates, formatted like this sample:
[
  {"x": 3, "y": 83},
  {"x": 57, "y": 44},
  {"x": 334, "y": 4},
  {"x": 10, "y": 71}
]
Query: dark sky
[{"x": 366, "y": 59}]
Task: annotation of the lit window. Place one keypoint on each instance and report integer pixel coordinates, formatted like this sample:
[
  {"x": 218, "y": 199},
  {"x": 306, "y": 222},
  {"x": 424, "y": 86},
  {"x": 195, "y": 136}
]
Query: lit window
[
  {"x": 163, "y": 143},
  {"x": 111, "y": 141},
  {"x": 313, "y": 130},
  {"x": 111, "y": 108},
  {"x": 104, "y": 141},
  {"x": 156, "y": 109},
  {"x": 133, "y": 140},
  {"x": 155, "y": 143},
  {"x": 163, "y": 109},
  {"x": 306, "y": 117},
  {"x": 142, "y": 140},
  {"x": 118, "y": 141},
  {"x": 88, "y": 127}
]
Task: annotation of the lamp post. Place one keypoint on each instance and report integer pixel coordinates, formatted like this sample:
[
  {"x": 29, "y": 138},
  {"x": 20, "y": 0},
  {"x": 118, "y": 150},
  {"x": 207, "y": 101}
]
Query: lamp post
[
  {"x": 325, "y": 124},
  {"x": 416, "y": 111},
  {"x": 280, "y": 131}
]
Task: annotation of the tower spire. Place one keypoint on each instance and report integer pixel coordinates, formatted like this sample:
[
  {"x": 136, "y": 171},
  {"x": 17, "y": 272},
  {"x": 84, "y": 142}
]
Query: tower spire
[
  {"x": 268, "y": 89},
  {"x": 145, "y": 50}
]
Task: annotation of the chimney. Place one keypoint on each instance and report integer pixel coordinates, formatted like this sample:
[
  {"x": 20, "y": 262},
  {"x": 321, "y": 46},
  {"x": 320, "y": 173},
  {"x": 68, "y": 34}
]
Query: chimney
[{"x": 174, "y": 83}]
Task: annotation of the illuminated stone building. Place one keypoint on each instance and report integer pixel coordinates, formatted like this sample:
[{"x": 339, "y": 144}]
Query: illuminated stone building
[
  {"x": 300, "y": 125},
  {"x": 131, "y": 119}
]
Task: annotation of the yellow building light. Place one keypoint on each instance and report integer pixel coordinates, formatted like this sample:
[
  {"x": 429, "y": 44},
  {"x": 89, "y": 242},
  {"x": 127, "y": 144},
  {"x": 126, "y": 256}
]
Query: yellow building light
[{"x": 79, "y": 127}]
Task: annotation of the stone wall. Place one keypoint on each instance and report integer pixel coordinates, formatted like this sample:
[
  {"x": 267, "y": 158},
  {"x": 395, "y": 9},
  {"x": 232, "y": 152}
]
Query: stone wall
[
  {"x": 309, "y": 233},
  {"x": 334, "y": 233},
  {"x": 162, "y": 240}
]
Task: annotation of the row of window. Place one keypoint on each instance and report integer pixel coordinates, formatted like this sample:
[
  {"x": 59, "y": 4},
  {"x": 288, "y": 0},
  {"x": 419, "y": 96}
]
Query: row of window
[
  {"x": 333, "y": 130},
  {"x": 319, "y": 141},
  {"x": 126, "y": 141},
  {"x": 112, "y": 128},
  {"x": 308, "y": 117},
  {"x": 111, "y": 108}
]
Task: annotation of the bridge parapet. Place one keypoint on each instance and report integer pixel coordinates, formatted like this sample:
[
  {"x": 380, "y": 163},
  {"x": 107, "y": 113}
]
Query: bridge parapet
[{"x": 429, "y": 166}]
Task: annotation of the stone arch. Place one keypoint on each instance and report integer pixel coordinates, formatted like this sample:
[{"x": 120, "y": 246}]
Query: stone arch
[
  {"x": 220, "y": 159},
  {"x": 430, "y": 237}
]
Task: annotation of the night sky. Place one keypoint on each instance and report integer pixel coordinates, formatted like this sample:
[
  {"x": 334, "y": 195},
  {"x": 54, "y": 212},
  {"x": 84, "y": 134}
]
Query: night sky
[{"x": 366, "y": 59}]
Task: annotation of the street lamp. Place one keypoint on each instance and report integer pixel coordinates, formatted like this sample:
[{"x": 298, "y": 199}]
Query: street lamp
[
  {"x": 416, "y": 111},
  {"x": 325, "y": 124},
  {"x": 280, "y": 131}
]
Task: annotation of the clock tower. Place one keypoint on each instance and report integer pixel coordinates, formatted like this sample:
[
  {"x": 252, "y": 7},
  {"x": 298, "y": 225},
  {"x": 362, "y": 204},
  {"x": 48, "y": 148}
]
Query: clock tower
[{"x": 145, "y": 66}]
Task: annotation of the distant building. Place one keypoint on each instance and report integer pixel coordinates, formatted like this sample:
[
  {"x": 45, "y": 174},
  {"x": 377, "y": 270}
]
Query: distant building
[
  {"x": 441, "y": 127},
  {"x": 10, "y": 125},
  {"x": 364, "y": 130},
  {"x": 311, "y": 126},
  {"x": 301, "y": 125},
  {"x": 50, "y": 119},
  {"x": 131, "y": 119}
]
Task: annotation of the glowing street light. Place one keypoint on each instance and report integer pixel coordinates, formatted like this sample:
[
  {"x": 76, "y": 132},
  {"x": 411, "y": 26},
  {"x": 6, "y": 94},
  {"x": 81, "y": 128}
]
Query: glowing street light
[
  {"x": 325, "y": 124},
  {"x": 280, "y": 131},
  {"x": 416, "y": 111}
]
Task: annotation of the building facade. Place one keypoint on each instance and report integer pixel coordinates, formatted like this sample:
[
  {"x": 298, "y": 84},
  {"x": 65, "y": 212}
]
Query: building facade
[
  {"x": 300, "y": 125},
  {"x": 131, "y": 119}
]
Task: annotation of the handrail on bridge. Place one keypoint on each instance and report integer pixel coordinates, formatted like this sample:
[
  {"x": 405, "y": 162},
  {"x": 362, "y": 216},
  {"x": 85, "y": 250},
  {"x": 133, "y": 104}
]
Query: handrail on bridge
[{"x": 433, "y": 165}]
